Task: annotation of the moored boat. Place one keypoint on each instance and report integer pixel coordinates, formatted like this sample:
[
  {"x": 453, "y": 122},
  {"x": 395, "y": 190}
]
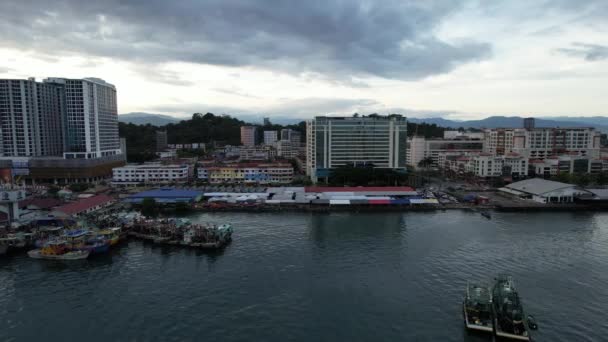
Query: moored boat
[
  {"x": 58, "y": 250},
  {"x": 477, "y": 308},
  {"x": 509, "y": 317}
]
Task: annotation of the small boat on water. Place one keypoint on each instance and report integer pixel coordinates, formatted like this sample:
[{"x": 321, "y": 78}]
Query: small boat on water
[
  {"x": 113, "y": 235},
  {"x": 486, "y": 214},
  {"x": 477, "y": 308},
  {"x": 509, "y": 317},
  {"x": 58, "y": 250}
]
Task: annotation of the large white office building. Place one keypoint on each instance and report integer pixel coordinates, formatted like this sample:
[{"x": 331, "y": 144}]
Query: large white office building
[{"x": 338, "y": 141}]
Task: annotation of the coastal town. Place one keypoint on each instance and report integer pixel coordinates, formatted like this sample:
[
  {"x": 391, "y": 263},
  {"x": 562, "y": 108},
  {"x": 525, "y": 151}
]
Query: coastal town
[
  {"x": 303, "y": 170},
  {"x": 357, "y": 163}
]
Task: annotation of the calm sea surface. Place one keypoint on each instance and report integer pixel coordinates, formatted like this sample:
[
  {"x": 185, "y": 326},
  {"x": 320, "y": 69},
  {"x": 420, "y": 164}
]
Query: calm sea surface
[{"x": 319, "y": 277}]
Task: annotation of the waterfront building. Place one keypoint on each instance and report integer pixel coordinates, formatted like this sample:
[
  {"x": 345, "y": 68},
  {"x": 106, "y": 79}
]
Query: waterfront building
[
  {"x": 248, "y": 135},
  {"x": 338, "y": 141},
  {"x": 270, "y": 137},
  {"x": 540, "y": 143},
  {"x": 161, "y": 140},
  {"x": 154, "y": 173},
  {"x": 263, "y": 152},
  {"x": 166, "y": 195},
  {"x": 544, "y": 191},
  {"x": 247, "y": 173},
  {"x": 421, "y": 148},
  {"x": 83, "y": 206}
]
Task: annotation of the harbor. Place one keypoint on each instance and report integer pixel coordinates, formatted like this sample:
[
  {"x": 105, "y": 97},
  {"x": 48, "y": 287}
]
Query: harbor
[{"x": 318, "y": 276}]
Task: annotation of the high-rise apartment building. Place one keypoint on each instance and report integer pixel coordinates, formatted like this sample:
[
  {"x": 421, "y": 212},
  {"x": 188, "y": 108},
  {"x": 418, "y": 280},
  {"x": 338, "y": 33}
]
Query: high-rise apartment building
[
  {"x": 91, "y": 118},
  {"x": 59, "y": 130},
  {"x": 270, "y": 137},
  {"x": 30, "y": 118},
  {"x": 161, "y": 140},
  {"x": 248, "y": 135},
  {"x": 529, "y": 123},
  {"x": 337, "y": 141}
]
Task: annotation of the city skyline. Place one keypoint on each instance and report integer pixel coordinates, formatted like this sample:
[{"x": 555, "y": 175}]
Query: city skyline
[{"x": 462, "y": 60}]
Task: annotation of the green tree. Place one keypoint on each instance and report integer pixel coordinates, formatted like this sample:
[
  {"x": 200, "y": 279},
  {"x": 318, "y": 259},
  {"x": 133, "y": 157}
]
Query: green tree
[
  {"x": 182, "y": 207},
  {"x": 148, "y": 207},
  {"x": 78, "y": 187},
  {"x": 426, "y": 162}
]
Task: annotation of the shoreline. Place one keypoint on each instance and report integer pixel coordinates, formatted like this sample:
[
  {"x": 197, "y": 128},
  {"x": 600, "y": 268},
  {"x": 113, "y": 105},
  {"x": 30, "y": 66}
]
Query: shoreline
[{"x": 377, "y": 208}]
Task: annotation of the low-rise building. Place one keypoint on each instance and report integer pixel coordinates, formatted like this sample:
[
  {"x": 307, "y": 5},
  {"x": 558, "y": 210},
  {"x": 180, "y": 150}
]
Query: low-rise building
[
  {"x": 544, "y": 191},
  {"x": 571, "y": 163},
  {"x": 262, "y": 152},
  {"x": 484, "y": 165},
  {"x": 421, "y": 148},
  {"x": 288, "y": 150},
  {"x": 248, "y": 173},
  {"x": 83, "y": 206},
  {"x": 155, "y": 173}
]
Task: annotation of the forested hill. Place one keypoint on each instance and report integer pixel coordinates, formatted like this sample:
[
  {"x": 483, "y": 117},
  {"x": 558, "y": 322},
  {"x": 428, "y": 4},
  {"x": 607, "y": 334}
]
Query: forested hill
[
  {"x": 208, "y": 128},
  {"x": 201, "y": 128}
]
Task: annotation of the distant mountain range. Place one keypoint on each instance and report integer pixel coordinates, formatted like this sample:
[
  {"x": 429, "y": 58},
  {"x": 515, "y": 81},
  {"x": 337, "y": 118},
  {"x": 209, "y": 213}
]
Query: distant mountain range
[
  {"x": 599, "y": 122},
  {"x": 140, "y": 118}
]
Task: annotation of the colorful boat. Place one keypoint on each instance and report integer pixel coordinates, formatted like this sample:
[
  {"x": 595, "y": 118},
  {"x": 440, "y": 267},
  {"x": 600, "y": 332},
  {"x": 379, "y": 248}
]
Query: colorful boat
[
  {"x": 113, "y": 235},
  {"x": 509, "y": 317},
  {"x": 477, "y": 308},
  {"x": 58, "y": 250}
]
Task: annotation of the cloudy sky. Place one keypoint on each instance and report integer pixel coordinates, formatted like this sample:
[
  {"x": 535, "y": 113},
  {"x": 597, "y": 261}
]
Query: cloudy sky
[{"x": 446, "y": 58}]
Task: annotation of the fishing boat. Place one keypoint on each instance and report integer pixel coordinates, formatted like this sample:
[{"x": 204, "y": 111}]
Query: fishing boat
[
  {"x": 486, "y": 214},
  {"x": 113, "y": 235},
  {"x": 96, "y": 245},
  {"x": 58, "y": 250},
  {"x": 46, "y": 234},
  {"x": 477, "y": 308},
  {"x": 509, "y": 317}
]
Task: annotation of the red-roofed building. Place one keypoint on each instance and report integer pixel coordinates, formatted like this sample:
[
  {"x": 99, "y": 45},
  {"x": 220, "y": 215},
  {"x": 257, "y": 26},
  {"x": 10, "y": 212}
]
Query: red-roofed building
[
  {"x": 83, "y": 206},
  {"x": 39, "y": 203}
]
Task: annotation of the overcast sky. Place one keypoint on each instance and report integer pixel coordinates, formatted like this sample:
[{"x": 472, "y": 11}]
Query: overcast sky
[{"x": 452, "y": 59}]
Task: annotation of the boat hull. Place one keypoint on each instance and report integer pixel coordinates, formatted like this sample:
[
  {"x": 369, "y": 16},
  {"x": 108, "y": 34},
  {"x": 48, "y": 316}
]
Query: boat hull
[{"x": 76, "y": 255}]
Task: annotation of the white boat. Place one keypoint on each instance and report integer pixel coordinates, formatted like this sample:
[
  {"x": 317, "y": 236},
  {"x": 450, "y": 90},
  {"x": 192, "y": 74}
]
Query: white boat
[{"x": 72, "y": 255}]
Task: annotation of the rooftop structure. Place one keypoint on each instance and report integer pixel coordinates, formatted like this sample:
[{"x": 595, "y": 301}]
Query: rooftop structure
[
  {"x": 83, "y": 206},
  {"x": 151, "y": 173},
  {"x": 544, "y": 191},
  {"x": 166, "y": 195}
]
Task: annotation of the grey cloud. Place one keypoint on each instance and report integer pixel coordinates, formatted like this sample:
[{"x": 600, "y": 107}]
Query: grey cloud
[
  {"x": 390, "y": 39},
  {"x": 157, "y": 73},
  {"x": 234, "y": 91},
  {"x": 4, "y": 70},
  {"x": 590, "y": 52}
]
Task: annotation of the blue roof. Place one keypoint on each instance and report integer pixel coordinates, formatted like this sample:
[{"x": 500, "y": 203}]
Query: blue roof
[{"x": 167, "y": 193}]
